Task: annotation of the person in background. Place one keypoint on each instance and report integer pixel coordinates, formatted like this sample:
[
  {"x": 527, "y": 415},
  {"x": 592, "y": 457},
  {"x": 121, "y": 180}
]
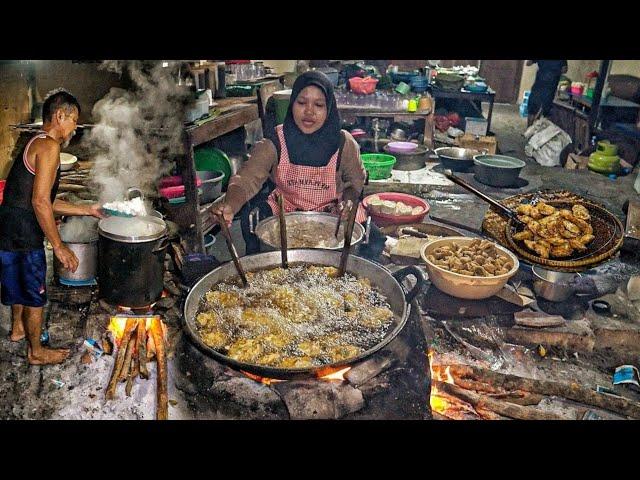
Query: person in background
[
  {"x": 27, "y": 216},
  {"x": 310, "y": 161},
  {"x": 544, "y": 87}
]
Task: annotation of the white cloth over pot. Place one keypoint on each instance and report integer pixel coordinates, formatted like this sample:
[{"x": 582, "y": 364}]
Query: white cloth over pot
[{"x": 545, "y": 142}]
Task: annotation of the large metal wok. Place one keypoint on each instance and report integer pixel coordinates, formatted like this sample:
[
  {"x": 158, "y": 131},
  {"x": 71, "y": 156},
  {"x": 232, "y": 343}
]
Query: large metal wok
[{"x": 387, "y": 284}]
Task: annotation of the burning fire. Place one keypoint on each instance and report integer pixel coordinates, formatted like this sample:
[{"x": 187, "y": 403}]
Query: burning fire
[
  {"x": 117, "y": 325},
  {"x": 438, "y": 403},
  {"x": 331, "y": 375}
]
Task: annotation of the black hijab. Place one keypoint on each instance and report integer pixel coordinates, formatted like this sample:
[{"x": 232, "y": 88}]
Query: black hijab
[{"x": 315, "y": 149}]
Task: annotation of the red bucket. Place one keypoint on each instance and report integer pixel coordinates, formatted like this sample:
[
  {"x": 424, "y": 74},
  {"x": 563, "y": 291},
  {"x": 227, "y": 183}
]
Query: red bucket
[{"x": 2, "y": 184}]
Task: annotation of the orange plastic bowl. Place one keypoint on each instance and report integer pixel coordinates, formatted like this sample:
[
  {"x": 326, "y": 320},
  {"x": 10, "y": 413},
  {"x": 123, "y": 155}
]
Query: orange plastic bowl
[
  {"x": 384, "y": 219},
  {"x": 364, "y": 86}
]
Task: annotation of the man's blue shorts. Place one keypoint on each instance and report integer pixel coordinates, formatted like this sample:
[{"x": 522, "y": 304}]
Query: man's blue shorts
[{"x": 23, "y": 278}]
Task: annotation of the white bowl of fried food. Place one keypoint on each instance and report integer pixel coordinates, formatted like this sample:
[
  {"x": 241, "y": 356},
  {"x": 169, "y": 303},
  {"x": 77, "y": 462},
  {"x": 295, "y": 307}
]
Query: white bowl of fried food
[
  {"x": 554, "y": 232},
  {"x": 468, "y": 268}
]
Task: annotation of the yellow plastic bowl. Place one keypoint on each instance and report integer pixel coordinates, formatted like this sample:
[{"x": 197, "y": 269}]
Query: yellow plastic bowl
[{"x": 465, "y": 286}]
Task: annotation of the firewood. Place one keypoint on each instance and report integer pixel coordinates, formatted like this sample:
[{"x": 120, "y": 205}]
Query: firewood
[
  {"x": 107, "y": 346},
  {"x": 574, "y": 336},
  {"x": 151, "y": 348},
  {"x": 500, "y": 407},
  {"x": 142, "y": 349},
  {"x": 162, "y": 408},
  {"x": 489, "y": 415},
  {"x": 518, "y": 397},
  {"x": 124, "y": 373},
  {"x": 571, "y": 391},
  {"x": 119, "y": 363},
  {"x": 538, "y": 320},
  {"x": 68, "y": 187},
  {"x": 132, "y": 375}
]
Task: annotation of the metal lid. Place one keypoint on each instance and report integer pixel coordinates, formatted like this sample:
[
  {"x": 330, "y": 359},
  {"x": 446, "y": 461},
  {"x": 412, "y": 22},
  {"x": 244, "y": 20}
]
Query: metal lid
[{"x": 132, "y": 230}]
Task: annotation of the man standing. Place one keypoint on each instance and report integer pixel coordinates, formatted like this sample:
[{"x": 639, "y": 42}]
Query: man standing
[
  {"x": 544, "y": 87},
  {"x": 27, "y": 216}
]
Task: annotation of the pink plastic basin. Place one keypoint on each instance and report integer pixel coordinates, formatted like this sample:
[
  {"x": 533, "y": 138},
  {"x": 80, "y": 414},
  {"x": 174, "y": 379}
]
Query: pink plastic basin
[{"x": 383, "y": 219}]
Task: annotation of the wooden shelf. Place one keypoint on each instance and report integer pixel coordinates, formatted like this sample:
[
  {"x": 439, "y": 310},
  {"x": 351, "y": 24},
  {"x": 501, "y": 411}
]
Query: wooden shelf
[{"x": 224, "y": 123}]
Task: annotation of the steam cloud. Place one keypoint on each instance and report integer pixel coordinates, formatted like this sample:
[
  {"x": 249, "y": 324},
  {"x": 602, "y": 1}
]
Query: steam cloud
[{"x": 137, "y": 133}]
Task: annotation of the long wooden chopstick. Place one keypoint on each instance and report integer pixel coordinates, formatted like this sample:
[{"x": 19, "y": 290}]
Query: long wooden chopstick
[
  {"x": 283, "y": 232},
  {"x": 348, "y": 232},
  {"x": 232, "y": 249}
]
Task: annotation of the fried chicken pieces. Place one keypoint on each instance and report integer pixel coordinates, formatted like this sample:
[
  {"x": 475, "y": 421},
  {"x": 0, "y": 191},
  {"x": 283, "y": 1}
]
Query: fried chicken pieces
[{"x": 552, "y": 232}]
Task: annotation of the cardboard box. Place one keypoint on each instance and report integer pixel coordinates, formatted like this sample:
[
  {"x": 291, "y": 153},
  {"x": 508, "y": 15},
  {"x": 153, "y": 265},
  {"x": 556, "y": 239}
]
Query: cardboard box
[
  {"x": 576, "y": 162},
  {"x": 475, "y": 126},
  {"x": 478, "y": 142}
]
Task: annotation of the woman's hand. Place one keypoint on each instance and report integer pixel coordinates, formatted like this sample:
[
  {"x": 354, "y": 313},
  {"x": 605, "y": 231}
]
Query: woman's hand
[{"x": 224, "y": 210}]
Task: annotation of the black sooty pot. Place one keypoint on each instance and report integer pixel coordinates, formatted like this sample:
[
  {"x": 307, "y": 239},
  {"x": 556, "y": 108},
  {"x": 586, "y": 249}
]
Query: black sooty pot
[{"x": 131, "y": 260}]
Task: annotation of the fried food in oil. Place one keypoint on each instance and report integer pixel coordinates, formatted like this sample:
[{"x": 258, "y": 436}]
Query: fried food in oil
[{"x": 294, "y": 318}]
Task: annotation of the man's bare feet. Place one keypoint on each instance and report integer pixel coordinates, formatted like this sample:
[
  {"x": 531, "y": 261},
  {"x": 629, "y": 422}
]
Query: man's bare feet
[
  {"x": 47, "y": 356},
  {"x": 16, "y": 335},
  {"x": 17, "y": 330}
]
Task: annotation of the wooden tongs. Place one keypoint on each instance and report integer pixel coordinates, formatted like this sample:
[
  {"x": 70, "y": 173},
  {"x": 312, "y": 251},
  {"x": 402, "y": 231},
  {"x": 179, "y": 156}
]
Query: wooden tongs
[
  {"x": 283, "y": 232},
  {"x": 348, "y": 232},
  {"x": 232, "y": 249}
]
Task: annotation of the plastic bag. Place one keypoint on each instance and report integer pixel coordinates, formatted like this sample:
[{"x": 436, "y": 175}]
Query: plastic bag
[{"x": 545, "y": 142}]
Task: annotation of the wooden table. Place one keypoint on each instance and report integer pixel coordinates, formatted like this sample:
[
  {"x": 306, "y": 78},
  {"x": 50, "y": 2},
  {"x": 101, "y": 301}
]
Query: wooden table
[
  {"x": 471, "y": 97},
  {"x": 427, "y": 115}
]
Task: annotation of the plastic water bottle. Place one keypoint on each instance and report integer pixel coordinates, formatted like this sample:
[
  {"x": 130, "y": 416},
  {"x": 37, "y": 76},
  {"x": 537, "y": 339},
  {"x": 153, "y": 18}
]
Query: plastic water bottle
[{"x": 44, "y": 337}]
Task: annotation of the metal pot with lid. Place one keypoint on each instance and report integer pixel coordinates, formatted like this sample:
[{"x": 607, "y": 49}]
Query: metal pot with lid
[{"x": 131, "y": 266}]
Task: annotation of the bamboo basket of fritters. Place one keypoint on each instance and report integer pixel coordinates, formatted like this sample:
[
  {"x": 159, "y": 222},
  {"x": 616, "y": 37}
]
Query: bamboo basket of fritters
[{"x": 606, "y": 229}]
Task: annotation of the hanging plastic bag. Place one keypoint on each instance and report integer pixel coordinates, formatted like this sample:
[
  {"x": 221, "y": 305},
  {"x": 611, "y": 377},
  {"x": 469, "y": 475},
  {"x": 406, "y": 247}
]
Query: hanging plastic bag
[{"x": 545, "y": 142}]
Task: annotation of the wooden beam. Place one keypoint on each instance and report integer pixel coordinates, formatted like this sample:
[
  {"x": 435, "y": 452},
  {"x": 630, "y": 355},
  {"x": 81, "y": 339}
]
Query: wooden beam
[{"x": 225, "y": 123}]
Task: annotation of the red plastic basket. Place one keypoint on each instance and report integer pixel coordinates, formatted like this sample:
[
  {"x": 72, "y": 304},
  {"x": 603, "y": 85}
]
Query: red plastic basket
[{"x": 363, "y": 86}]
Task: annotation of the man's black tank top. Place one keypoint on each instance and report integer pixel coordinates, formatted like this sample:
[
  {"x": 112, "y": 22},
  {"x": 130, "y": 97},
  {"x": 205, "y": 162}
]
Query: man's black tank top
[{"x": 19, "y": 227}]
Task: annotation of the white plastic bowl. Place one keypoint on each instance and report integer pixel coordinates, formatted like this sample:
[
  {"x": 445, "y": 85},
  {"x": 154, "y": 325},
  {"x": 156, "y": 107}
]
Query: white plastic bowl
[
  {"x": 67, "y": 161},
  {"x": 466, "y": 286}
]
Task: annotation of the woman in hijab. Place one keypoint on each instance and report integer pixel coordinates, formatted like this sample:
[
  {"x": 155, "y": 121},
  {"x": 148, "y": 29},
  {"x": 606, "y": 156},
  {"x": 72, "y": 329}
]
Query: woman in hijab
[{"x": 314, "y": 164}]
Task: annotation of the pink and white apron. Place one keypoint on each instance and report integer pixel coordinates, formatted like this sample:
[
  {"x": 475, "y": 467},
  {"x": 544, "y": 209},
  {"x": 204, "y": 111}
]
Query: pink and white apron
[{"x": 306, "y": 188}]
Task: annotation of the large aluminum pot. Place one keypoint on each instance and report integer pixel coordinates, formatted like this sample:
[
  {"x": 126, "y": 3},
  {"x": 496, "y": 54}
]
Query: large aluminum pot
[
  {"x": 387, "y": 283},
  {"x": 263, "y": 227},
  {"x": 131, "y": 266},
  {"x": 457, "y": 159},
  {"x": 87, "y": 254}
]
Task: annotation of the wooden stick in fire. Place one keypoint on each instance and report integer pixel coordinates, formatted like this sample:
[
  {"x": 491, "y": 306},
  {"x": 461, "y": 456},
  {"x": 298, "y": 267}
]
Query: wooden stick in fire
[
  {"x": 571, "y": 391},
  {"x": 142, "y": 349},
  {"x": 133, "y": 373},
  {"x": 503, "y": 408},
  {"x": 232, "y": 249},
  {"x": 283, "y": 232},
  {"x": 124, "y": 373},
  {"x": 162, "y": 408},
  {"x": 119, "y": 363},
  {"x": 348, "y": 232}
]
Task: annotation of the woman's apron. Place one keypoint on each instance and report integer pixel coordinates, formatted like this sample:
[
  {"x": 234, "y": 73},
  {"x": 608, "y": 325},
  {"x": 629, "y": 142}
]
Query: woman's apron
[{"x": 306, "y": 188}]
